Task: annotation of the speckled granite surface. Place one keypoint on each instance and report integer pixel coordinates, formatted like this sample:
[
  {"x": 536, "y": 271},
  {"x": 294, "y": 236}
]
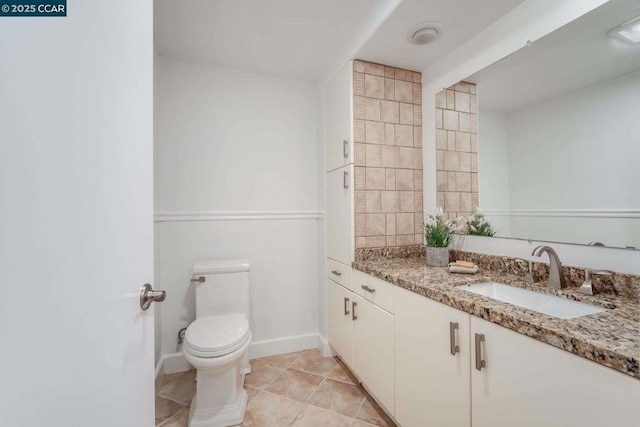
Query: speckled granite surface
[
  {"x": 611, "y": 338},
  {"x": 625, "y": 285},
  {"x": 371, "y": 254}
]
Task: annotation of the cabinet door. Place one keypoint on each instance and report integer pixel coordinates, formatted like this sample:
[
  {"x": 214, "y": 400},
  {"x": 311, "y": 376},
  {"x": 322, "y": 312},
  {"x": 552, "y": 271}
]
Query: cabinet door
[
  {"x": 432, "y": 384},
  {"x": 340, "y": 217},
  {"x": 339, "y": 118},
  {"x": 528, "y": 383},
  {"x": 340, "y": 324},
  {"x": 373, "y": 350}
]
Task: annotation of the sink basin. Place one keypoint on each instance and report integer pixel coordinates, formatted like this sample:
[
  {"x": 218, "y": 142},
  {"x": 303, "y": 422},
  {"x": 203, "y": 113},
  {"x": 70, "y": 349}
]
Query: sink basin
[{"x": 542, "y": 303}]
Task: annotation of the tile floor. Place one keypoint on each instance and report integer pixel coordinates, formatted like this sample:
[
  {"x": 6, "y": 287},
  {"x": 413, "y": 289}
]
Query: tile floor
[{"x": 294, "y": 389}]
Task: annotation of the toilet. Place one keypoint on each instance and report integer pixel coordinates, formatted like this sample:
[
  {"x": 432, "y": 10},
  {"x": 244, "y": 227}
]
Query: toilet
[{"x": 216, "y": 343}]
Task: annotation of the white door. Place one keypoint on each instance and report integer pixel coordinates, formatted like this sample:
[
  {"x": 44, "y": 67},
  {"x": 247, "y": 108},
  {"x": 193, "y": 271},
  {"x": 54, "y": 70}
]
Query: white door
[
  {"x": 339, "y": 141},
  {"x": 340, "y": 337},
  {"x": 76, "y": 235}
]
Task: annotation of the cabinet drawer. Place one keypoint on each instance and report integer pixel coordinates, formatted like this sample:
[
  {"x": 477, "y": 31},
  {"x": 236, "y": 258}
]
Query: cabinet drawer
[
  {"x": 373, "y": 289},
  {"x": 340, "y": 273}
]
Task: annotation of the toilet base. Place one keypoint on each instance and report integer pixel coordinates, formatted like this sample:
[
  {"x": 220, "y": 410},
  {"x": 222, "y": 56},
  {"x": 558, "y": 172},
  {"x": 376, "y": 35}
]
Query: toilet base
[{"x": 230, "y": 415}]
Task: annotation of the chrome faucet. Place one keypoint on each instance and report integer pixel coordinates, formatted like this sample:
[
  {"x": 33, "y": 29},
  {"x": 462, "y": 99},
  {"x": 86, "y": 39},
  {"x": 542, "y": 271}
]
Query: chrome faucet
[
  {"x": 556, "y": 278},
  {"x": 587, "y": 286}
]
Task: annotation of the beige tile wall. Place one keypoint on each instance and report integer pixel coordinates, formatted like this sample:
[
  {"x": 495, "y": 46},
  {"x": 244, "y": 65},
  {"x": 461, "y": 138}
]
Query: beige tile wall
[
  {"x": 388, "y": 155},
  {"x": 457, "y": 149}
]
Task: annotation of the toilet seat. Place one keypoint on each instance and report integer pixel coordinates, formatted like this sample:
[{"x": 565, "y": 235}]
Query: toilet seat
[{"x": 215, "y": 336}]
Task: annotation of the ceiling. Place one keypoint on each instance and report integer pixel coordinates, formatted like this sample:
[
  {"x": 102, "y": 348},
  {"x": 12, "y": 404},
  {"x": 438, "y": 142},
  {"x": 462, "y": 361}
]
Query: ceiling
[
  {"x": 303, "y": 39},
  {"x": 578, "y": 55},
  {"x": 462, "y": 19}
]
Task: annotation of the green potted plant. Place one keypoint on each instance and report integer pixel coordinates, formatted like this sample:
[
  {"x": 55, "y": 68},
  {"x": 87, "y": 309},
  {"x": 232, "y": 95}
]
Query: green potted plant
[
  {"x": 438, "y": 233},
  {"x": 478, "y": 225}
]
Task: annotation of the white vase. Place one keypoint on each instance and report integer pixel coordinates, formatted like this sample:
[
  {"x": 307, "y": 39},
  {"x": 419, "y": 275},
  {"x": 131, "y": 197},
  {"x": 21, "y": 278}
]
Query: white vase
[{"x": 437, "y": 257}]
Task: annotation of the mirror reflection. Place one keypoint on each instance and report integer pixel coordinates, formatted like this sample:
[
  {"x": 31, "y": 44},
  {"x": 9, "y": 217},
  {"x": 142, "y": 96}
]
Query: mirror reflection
[{"x": 557, "y": 137}]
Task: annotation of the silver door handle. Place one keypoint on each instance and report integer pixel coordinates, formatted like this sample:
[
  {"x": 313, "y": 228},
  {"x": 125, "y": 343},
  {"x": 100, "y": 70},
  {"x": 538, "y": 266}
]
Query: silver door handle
[
  {"x": 353, "y": 311},
  {"x": 480, "y": 362},
  {"x": 453, "y": 327},
  {"x": 346, "y": 306},
  {"x": 345, "y": 148},
  {"x": 368, "y": 289},
  {"x": 198, "y": 279},
  {"x": 345, "y": 180},
  {"x": 336, "y": 272},
  {"x": 148, "y": 295}
]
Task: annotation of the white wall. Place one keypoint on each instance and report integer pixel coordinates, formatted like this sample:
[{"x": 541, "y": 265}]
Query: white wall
[
  {"x": 529, "y": 21},
  {"x": 239, "y": 151}
]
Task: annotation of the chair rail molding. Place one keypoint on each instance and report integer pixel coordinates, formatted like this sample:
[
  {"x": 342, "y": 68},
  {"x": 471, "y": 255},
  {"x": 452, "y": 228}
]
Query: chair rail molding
[
  {"x": 572, "y": 213},
  {"x": 192, "y": 216}
]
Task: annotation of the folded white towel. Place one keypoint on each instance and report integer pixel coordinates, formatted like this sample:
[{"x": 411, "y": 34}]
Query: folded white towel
[{"x": 464, "y": 270}]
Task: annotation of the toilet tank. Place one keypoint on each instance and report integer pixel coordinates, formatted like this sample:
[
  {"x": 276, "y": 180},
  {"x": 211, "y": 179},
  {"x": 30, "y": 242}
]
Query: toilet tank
[{"x": 222, "y": 288}]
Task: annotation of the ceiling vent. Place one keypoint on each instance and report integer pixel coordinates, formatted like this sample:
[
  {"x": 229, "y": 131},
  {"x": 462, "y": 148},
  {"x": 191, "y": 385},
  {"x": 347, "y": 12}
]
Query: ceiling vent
[{"x": 425, "y": 33}]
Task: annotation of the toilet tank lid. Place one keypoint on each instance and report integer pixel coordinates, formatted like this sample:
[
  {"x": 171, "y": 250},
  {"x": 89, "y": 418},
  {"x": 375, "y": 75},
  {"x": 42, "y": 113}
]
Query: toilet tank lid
[{"x": 222, "y": 266}]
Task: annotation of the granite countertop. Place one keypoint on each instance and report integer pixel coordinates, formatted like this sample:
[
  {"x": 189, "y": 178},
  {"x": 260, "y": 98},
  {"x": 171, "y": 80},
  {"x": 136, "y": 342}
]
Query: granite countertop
[{"x": 611, "y": 338}]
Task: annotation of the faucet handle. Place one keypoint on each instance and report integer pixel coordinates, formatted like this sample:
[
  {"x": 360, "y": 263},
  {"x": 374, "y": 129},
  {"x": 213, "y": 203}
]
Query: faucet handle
[
  {"x": 528, "y": 277},
  {"x": 587, "y": 286}
]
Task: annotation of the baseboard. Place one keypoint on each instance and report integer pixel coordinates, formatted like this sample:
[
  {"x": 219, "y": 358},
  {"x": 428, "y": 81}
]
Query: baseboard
[
  {"x": 283, "y": 345},
  {"x": 175, "y": 362},
  {"x": 325, "y": 348}
]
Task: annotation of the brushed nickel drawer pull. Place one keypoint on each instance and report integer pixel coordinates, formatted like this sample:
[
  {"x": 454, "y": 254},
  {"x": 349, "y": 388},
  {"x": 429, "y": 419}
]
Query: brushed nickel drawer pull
[
  {"x": 368, "y": 289},
  {"x": 353, "y": 310},
  {"x": 199, "y": 279},
  {"x": 336, "y": 272},
  {"x": 453, "y": 327},
  {"x": 480, "y": 362},
  {"x": 346, "y": 306}
]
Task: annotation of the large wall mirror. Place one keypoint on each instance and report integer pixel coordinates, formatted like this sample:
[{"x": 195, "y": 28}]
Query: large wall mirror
[{"x": 558, "y": 131}]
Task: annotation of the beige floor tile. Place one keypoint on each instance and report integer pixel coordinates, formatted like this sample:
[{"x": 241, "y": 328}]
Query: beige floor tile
[
  {"x": 180, "y": 386},
  {"x": 251, "y": 392},
  {"x": 165, "y": 409},
  {"x": 271, "y": 410},
  {"x": 373, "y": 414},
  {"x": 312, "y": 361},
  {"x": 262, "y": 374},
  {"x": 181, "y": 419},
  {"x": 312, "y": 416},
  {"x": 339, "y": 397},
  {"x": 282, "y": 360},
  {"x": 358, "y": 423},
  {"x": 342, "y": 373},
  {"x": 295, "y": 384}
]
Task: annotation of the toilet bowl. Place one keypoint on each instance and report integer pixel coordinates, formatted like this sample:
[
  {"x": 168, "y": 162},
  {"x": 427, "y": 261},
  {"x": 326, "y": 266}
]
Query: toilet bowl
[
  {"x": 216, "y": 343},
  {"x": 215, "y": 346}
]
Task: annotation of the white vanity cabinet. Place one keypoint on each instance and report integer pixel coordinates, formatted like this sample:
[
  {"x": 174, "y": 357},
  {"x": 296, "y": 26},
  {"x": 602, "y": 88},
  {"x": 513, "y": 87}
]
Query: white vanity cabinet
[
  {"x": 432, "y": 371},
  {"x": 339, "y": 119},
  {"x": 340, "y": 217},
  {"x": 339, "y": 302},
  {"x": 528, "y": 383},
  {"x": 361, "y": 332}
]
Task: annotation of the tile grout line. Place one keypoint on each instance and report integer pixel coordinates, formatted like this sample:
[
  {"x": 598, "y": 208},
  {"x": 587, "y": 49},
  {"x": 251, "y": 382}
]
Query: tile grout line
[{"x": 355, "y": 417}]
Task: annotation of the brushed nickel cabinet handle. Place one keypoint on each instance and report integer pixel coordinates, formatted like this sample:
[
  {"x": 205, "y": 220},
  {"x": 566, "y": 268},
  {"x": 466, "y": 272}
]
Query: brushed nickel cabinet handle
[
  {"x": 353, "y": 310},
  {"x": 346, "y": 306},
  {"x": 368, "y": 289},
  {"x": 336, "y": 272},
  {"x": 345, "y": 148},
  {"x": 345, "y": 180},
  {"x": 480, "y": 362},
  {"x": 453, "y": 327},
  {"x": 199, "y": 279}
]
